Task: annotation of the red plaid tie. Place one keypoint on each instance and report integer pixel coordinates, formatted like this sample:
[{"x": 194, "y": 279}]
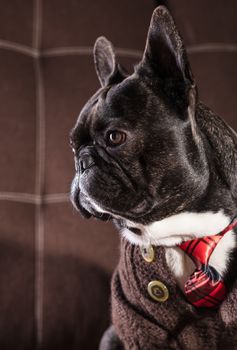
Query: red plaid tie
[{"x": 205, "y": 287}]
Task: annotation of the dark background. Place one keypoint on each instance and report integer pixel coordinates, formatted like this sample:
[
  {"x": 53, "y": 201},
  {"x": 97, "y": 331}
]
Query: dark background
[{"x": 55, "y": 267}]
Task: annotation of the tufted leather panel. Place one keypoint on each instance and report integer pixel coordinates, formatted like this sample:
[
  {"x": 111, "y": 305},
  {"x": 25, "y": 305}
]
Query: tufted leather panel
[{"x": 55, "y": 266}]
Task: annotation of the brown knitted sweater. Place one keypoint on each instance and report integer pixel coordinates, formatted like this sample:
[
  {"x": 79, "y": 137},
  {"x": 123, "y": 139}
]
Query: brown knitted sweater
[{"x": 145, "y": 324}]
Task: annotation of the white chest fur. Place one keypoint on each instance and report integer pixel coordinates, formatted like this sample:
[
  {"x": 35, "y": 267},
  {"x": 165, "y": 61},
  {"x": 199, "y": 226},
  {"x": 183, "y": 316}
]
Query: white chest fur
[{"x": 182, "y": 227}]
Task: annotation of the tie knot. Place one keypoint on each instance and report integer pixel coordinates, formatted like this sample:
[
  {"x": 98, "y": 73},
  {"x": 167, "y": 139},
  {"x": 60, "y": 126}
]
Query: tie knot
[{"x": 201, "y": 249}]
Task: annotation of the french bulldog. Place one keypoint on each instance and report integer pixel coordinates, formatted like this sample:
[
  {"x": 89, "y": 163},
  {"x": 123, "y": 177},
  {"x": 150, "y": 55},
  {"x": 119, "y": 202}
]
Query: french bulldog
[{"x": 154, "y": 159}]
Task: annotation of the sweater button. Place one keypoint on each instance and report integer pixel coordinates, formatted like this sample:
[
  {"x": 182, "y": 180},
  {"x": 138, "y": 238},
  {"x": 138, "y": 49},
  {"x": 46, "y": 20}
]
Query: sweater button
[
  {"x": 158, "y": 291},
  {"x": 147, "y": 253}
]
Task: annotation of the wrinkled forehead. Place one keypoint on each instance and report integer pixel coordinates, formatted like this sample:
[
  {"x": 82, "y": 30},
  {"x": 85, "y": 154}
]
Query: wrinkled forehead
[
  {"x": 122, "y": 100},
  {"x": 90, "y": 109},
  {"x": 88, "y": 113},
  {"x": 123, "y": 103}
]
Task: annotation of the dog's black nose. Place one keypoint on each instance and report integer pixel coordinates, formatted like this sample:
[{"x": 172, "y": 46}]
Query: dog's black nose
[{"x": 85, "y": 162}]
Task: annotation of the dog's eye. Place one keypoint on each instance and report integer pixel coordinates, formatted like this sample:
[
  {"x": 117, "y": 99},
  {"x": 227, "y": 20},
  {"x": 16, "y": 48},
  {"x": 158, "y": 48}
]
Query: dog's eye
[{"x": 115, "y": 138}]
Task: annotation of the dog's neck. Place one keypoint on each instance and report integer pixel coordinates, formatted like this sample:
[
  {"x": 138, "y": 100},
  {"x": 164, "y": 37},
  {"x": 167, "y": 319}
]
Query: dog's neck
[{"x": 173, "y": 230}]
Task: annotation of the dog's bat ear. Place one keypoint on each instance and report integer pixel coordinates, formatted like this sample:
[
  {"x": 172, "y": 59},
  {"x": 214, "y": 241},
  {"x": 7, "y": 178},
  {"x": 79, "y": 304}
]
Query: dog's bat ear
[
  {"x": 164, "y": 51},
  {"x": 107, "y": 69},
  {"x": 165, "y": 57}
]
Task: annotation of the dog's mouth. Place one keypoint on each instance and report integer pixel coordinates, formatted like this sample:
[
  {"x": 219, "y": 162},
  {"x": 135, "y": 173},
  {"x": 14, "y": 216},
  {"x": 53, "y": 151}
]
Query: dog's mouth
[{"x": 88, "y": 207}]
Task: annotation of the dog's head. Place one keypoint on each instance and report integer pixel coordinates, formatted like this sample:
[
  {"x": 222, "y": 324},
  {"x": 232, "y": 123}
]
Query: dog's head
[{"x": 138, "y": 154}]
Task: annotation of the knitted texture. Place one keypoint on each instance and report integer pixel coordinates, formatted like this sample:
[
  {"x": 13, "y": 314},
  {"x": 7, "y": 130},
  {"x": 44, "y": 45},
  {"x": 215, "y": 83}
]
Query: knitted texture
[{"x": 142, "y": 323}]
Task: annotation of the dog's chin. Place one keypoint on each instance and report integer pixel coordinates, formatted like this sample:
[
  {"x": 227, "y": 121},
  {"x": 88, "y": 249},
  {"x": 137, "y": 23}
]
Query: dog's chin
[{"x": 134, "y": 213}]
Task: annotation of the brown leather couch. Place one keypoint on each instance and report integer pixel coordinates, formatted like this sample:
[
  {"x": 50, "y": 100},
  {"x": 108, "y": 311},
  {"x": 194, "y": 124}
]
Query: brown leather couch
[{"x": 55, "y": 267}]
